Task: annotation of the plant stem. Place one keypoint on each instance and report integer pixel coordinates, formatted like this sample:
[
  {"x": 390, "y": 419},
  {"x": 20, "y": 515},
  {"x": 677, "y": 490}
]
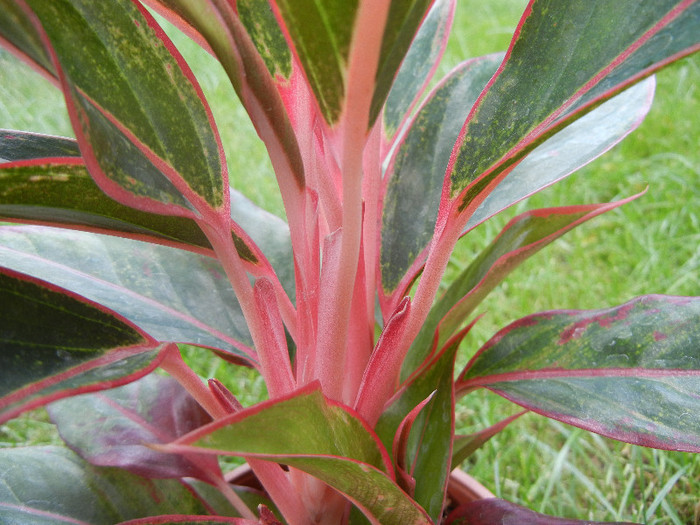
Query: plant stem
[{"x": 176, "y": 367}]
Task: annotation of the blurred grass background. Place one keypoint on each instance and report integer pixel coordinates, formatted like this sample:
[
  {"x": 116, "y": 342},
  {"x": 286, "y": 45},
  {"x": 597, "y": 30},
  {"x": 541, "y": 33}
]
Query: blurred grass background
[{"x": 649, "y": 246}]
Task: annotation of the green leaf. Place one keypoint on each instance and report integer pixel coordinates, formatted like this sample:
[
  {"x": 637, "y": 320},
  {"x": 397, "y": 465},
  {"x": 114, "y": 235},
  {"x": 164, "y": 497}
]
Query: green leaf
[
  {"x": 171, "y": 294},
  {"x": 52, "y": 342},
  {"x": 418, "y": 65},
  {"x": 252, "y": 50},
  {"x": 51, "y": 485},
  {"x": 21, "y": 145},
  {"x": 17, "y": 29},
  {"x": 321, "y": 33},
  {"x": 412, "y": 202},
  {"x": 405, "y": 17},
  {"x": 140, "y": 118},
  {"x": 521, "y": 238},
  {"x": 418, "y": 169},
  {"x": 429, "y": 450},
  {"x": 561, "y": 50},
  {"x": 630, "y": 372},
  {"x": 320, "y": 437},
  {"x": 65, "y": 194}
]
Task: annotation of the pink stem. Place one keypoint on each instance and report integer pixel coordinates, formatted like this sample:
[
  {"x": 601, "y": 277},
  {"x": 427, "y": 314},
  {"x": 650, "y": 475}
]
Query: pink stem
[
  {"x": 363, "y": 62},
  {"x": 176, "y": 367}
]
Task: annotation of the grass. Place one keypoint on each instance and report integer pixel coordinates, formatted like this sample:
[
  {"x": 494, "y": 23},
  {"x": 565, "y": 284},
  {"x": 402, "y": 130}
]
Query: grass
[{"x": 649, "y": 246}]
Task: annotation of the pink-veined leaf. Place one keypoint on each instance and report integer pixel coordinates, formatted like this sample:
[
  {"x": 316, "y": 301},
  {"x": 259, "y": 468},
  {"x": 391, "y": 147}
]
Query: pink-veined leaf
[
  {"x": 246, "y": 38},
  {"x": 173, "y": 295},
  {"x": 115, "y": 426},
  {"x": 47, "y": 183},
  {"x": 412, "y": 202},
  {"x": 418, "y": 66},
  {"x": 547, "y": 64},
  {"x": 163, "y": 156},
  {"x": 321, "y": 33},
  {"x": 22, "y": 145},
  {"x": 631, "y": 372},
  {"x": 428, "y": 452},
  {"x": 49, "y": 485},
  {"x": 18, "y": 33},
  {"x": 54, "y": 343},
  {"x": 308, "y": 431},
  {"x": 403, "y": 24},
  {"x": 494, "y": 511},
  {"x": 416, "y": 172},
  {"x": 521, "y": 238}
]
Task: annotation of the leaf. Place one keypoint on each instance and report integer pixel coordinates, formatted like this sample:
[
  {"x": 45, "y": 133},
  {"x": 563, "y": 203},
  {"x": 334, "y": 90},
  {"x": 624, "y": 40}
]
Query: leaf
[
  {"x": 51, "y": 485},
  {"x": 54, "y": 343},
  {"x": 145, "y": 131},
  {"x": 405, "y": 18},
  {"x": 64, "y": 194},
  {"x": 491, "y": 511},
  {"x": 429, "y": 451},
  {"x": 418, "y": 65},
  {"x": 524, "y": 236},
  {"x": 17, "y": 30},
  {"x": 309, "y": 432},
  {"x": 172, "y": 294},
  {"x": 568, "y": 150},
  {"x": 416, "y": 173},
  {"x": 321, "y": 33},
  {"x": 21, "y": 145},
  {"x": 559, "y": 53},
  {"x": 116, "y": 426},
  {"x": 252, "y": 50},
  {"x": 630, "y": 372},
  {"x": 411, "y": 192}
]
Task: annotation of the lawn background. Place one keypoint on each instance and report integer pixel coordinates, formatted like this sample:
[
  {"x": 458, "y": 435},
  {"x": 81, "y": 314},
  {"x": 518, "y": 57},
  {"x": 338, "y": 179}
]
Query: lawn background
[{"x": 649, "y": 246}]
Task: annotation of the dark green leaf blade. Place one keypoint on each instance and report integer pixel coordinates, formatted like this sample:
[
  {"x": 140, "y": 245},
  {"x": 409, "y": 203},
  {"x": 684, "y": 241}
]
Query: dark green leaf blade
[
  {"x": 630, "y": 372},
  {"x": 520, "y": 239},
  {"x": 405, "y": 17},
  {"x": 429, "y": 450},
  {"x": 412, "y": 201},
  {"x": 64, "y": 194},
  {"x": 52, "y": 485},
  {"x": 418, "y": 65},
  {"x": 253, "y": 51},
  {"x": 140, "y": 118},
  {"x": 52, "y": 340},
  {"x": 560, "y": 51},
  {"x": 174, "y": 295},
  {"x": 416, "y": 174},
  {"x": 22, "y": 145},
  {"x": 318, "y": 436},
  {"x": 17, "y": 30},
  {"x": 321, "y": 33}
]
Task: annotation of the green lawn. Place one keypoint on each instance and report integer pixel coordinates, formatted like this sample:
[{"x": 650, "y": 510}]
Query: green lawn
[{"x": 650, "y": 246}]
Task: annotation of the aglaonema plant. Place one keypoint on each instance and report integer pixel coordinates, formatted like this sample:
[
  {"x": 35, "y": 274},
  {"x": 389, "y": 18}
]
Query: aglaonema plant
[{"x": 128, "y": 241}]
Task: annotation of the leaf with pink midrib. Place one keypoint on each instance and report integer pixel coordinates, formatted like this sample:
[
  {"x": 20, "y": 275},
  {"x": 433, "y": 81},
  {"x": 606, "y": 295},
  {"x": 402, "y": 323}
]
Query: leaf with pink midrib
[
  {"x": 165, "y": 156},
  {"x": 630, "y": 372}
]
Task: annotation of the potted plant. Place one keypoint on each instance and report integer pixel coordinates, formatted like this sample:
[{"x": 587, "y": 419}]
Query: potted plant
[{"x": 129, "y": 241}]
